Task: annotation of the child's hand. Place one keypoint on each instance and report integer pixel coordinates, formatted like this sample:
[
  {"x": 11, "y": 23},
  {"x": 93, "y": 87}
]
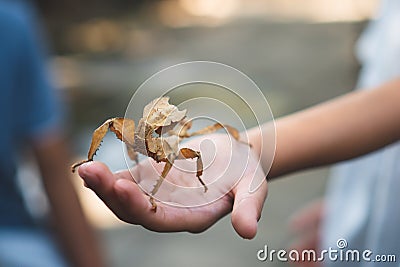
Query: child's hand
[{"x": 124, "y": 197}]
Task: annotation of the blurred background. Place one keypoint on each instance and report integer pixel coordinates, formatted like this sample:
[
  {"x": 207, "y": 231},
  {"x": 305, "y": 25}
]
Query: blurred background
[{"x": 299, "y": 52}]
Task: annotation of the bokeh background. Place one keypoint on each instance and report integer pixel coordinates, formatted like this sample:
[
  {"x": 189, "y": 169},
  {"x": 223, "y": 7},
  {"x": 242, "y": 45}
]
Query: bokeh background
[{"x": 299, "y": 53}]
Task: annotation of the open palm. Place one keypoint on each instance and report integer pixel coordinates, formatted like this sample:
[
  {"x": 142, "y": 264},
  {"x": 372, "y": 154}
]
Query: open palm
[{"x": 229, "y": 169}]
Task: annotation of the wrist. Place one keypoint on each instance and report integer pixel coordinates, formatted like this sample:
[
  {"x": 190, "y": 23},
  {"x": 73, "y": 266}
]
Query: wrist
[{"x": 262, "y": 138}]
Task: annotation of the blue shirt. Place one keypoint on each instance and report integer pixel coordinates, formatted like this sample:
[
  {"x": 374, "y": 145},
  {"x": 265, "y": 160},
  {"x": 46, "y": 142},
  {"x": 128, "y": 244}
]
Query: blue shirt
[{"x": 27, "y": 101}]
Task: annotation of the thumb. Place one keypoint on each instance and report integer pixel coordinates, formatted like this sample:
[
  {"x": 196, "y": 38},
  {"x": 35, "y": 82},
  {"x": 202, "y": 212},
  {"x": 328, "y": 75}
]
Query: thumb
[{"x": 247, "y": 208}]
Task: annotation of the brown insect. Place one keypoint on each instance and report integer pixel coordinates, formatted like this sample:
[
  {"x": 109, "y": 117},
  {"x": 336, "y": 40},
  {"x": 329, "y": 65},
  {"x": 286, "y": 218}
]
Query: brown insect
[{"x": 156, "y": 137}]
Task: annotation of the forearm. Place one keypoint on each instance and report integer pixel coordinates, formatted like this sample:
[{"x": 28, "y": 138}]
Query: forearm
[
  {"x": 74, "y": 232},
  {"x": 337, "y": 130}
]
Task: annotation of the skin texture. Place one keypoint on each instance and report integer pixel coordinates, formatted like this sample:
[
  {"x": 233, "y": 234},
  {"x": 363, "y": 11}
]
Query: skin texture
[
  {"x": 363, "y": 121},
  {"x": 76, "y": 236}
]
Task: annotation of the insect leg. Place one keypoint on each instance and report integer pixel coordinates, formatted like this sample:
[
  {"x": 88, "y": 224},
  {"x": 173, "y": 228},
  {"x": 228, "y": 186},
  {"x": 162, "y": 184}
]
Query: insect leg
[
  {"x": 119, "y": 126},
  {"x": 187, "y": 153},
  {"x": 215, "y": 127},
  {"x": 167, "y": 168}
]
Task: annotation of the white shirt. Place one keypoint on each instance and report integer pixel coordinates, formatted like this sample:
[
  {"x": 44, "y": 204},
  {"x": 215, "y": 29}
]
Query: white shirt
[{"x": 363, "y": 202}]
